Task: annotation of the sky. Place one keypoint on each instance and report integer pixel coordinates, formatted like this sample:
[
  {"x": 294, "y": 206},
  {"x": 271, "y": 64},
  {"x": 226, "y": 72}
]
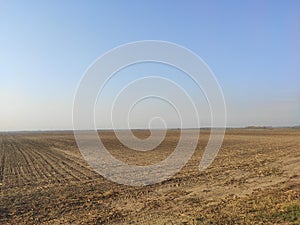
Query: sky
[{"x": 252, "y": 47}]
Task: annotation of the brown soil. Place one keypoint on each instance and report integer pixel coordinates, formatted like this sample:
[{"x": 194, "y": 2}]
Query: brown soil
[{"x": 255, "y": 179}]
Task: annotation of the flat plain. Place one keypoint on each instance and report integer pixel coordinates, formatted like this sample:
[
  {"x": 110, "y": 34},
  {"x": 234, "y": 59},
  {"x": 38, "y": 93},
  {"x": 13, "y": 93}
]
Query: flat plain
[{"x": 255, "y": 179}]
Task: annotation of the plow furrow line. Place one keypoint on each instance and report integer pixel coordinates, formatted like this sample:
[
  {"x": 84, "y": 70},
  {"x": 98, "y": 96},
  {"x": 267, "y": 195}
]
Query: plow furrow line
[
  {"x": 49, "y": 168},
  {"x": 68, "y": 165}
]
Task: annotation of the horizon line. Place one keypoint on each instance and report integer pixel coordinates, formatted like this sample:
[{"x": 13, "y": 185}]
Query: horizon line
[{"x": 125, "y": 129}]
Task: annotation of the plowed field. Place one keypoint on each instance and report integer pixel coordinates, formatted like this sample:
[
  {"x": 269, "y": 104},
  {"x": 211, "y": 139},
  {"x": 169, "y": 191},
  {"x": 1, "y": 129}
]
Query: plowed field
[{"x": 255, "y": 179}]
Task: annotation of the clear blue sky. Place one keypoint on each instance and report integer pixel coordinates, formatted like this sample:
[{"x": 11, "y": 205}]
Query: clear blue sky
[{"x": 253, "y": 48}]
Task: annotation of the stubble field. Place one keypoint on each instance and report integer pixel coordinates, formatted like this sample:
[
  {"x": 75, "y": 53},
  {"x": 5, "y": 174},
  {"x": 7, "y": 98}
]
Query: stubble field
[{"x": 255, "y": 179}]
